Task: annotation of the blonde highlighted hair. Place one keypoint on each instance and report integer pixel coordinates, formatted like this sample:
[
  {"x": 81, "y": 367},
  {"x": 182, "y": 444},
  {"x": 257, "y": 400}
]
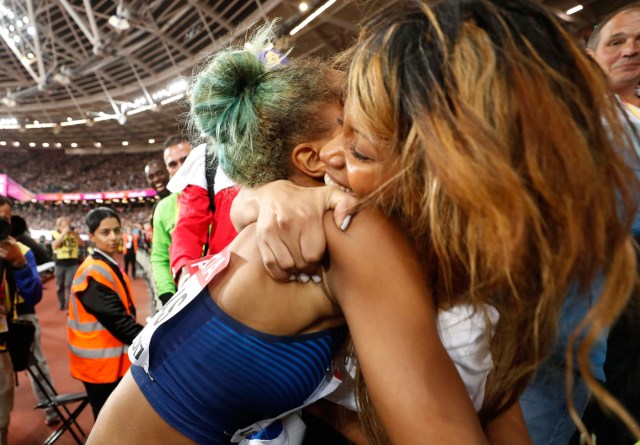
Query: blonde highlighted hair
[{"x": 515, "y": 183}]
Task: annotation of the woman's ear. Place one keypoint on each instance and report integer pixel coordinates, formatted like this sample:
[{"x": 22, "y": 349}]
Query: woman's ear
[{"x": 305, "y": 158}]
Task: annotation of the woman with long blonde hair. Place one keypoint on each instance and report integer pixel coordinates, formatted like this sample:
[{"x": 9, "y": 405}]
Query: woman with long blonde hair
[{"x": 505, "y": 160}]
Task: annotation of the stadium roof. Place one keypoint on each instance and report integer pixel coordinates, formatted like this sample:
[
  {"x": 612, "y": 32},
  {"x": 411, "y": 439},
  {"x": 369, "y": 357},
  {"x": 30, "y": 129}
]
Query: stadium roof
[{"x": 90, "y": 75}]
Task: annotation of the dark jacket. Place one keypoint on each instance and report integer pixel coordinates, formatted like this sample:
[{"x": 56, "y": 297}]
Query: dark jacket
[
  {"x": 23, "y": 285},
  {"x": 104, "y": 304}
]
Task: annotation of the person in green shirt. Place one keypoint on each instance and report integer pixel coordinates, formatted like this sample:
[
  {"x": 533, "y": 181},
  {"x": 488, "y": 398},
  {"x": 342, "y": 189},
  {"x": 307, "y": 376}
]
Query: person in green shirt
[{"x": 165, "y": 216}]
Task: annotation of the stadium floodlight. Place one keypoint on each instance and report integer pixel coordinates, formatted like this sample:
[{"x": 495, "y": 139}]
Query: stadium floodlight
[
  {"x": 119, "y": 23},
  {"x": 8, "y": 101},
  {"x": 311, "y": 17},
  {"x": 575, "y": 9},
  {"x": 62, "y": 79}
]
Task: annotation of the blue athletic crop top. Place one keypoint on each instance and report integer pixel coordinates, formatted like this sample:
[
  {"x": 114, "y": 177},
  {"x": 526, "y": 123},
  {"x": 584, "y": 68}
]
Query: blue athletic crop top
[{"x": 209, "y": 375}]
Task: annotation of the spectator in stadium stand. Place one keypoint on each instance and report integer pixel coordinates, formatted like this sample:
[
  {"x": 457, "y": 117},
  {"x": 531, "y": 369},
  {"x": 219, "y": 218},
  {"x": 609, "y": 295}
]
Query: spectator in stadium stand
[
  {"x": 129, "y": 250},
  {"x": 164, "y": 221},
  {"x": 18, "y": 280},
  {"x": 102, "y": 313},
  {"x": 66, "y": 245},
  {"x": 20, "y": 232}
]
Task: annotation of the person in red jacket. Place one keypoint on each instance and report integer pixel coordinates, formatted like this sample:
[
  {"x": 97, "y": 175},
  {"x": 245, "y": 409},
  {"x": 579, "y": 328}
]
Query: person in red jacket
[{"x": 203, "y": 226}]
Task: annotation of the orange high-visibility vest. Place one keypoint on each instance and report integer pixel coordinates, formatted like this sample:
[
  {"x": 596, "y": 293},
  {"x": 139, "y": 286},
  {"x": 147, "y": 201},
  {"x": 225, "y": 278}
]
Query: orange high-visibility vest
[
  {"x": 95, "y": 355},
  {"x": 125, "y": 240}
]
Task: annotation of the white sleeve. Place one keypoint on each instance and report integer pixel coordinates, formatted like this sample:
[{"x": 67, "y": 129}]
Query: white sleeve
[{"x": 466, "y": 337}]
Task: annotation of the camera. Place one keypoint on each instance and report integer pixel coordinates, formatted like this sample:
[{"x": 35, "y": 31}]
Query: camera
[
  {"x": 72, "y": 228},
  {"x": 5, "y": 229}
]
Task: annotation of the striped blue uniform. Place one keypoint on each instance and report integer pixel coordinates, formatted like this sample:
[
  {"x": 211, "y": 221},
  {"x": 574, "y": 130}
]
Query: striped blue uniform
[{"x": 209, "y": 375}]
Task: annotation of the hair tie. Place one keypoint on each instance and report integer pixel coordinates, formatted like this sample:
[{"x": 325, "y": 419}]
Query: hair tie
[{"x": 272, "y": 57}]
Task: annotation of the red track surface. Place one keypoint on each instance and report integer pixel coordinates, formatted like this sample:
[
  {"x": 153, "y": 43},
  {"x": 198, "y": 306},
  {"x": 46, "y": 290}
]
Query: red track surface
[{"x": 27, "y": 424}]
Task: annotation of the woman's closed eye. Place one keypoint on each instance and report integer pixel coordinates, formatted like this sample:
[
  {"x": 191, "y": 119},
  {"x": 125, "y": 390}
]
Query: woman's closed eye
[{"x": 358, "y": 155}]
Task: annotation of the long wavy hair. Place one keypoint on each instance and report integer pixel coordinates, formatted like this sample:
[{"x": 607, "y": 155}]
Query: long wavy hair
[{"x": 515, "y": 181}]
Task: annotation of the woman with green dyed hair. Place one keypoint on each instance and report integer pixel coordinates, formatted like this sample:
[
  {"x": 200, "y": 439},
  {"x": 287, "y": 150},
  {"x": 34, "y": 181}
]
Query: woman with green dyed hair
[{"x": 511, "y": 184}]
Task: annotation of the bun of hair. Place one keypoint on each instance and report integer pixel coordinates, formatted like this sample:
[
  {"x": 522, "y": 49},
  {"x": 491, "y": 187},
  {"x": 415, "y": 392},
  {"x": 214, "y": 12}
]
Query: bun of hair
[
  {"x": 223, "y": 95},
  {"x": 227, "y": 98},
  {"x": 255, "y": 111}
]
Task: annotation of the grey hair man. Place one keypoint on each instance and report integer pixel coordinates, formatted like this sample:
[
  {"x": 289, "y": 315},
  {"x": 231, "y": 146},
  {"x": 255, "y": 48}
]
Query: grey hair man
[{"x": 615, "y": 46}]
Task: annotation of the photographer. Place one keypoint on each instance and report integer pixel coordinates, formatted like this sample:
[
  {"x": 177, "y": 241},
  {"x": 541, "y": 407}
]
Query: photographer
[
  {"x": 66, "y": 244},
  {"x": 19, "y": 283},
  {"x": 20, "y": 232}
]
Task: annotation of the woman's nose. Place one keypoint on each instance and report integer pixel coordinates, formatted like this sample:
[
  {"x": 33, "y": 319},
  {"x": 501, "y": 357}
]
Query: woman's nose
[{"x": 333, "y": 153}]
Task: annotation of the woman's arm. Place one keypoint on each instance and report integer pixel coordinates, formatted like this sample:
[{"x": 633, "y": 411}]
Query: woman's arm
[
  {"x": 161, "y": 241},
  {"x": 289, "y": 223},
  {"x": 76, "y": 235},
  {"x": 508, "y": 428},
  {"x": 56, "y": 243},
  {"x": 381, "y": 288}
]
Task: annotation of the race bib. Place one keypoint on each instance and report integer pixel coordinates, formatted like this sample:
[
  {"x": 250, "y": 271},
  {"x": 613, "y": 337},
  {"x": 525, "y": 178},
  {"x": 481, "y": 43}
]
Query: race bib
[{"x": 202, "y": 272}]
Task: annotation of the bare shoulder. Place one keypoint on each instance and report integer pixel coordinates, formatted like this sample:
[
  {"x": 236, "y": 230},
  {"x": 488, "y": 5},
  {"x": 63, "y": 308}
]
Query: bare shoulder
[
  {"x": 374, "y": 248},
  {"x": 370, "y": 231},
  {"x": 247, "y": 293},
  {"x": 367, "y": 223}
]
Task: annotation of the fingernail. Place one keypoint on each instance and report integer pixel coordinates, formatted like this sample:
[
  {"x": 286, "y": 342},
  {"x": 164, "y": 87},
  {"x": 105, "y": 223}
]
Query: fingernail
[
  {"x": 345, "y": 223},
  {"x": 304, "y": 277},
  {"x": 316, "y": 278},
  {"x": 293, "y": 277}
]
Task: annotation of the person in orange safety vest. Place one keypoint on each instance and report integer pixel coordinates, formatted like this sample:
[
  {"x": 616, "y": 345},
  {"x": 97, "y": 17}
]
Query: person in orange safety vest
[{"x": 102, "y": 314}]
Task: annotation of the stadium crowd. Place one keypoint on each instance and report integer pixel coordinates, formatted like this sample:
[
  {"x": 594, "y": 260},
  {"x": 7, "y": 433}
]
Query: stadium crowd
[
  {"x": 74, "y": 173},
  {"x": 42, "y": 215}
]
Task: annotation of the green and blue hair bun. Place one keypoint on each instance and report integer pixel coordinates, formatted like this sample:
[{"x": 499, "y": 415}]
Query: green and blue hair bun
[{"x": 254, "y": 105}]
